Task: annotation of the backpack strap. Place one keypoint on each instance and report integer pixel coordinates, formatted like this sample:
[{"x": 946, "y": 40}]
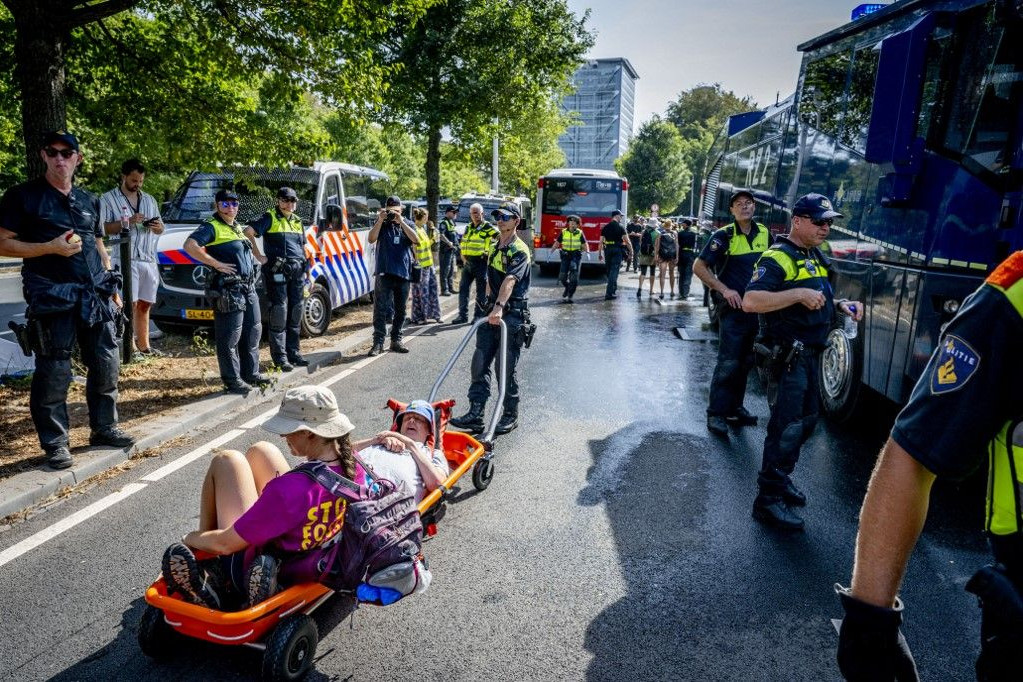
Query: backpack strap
[{"x": 335, "y": 483}]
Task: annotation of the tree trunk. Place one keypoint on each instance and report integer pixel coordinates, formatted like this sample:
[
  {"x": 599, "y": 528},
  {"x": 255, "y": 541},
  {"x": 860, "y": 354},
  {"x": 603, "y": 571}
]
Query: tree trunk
[
  {"x": 433, "y": 171},
  {"x": 39, "y": 58}
]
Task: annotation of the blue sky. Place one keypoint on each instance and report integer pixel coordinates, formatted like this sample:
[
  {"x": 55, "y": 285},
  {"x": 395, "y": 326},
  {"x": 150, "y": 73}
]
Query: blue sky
[{"x": 748, "y": 46}]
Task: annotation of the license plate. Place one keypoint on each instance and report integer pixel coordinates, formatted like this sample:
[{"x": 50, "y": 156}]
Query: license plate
[{"x": 198, "y": 314}]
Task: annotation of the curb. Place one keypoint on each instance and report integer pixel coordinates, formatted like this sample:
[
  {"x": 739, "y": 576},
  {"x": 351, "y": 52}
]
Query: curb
[{"x": 23, "y": 491}]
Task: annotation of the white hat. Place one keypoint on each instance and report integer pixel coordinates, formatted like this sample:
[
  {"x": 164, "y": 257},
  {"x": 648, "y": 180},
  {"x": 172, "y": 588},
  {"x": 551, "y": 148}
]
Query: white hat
[{"x": 309, "y": 408}]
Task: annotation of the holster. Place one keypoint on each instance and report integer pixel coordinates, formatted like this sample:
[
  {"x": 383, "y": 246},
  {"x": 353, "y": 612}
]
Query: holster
[
  {"x": 226, "y": 293},
  {"x": 32, "y": 337}
]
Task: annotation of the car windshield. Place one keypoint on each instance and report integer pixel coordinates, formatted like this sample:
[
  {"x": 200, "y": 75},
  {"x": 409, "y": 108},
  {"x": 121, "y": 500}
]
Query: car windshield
[{"x": 257, "y": 194}]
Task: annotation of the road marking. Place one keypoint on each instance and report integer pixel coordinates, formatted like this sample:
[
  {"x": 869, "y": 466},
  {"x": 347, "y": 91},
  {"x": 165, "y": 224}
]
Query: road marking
[
  {"x": 258, "y": 421},
  {"x": 33, "y": 541},
  {"x": 192, "y": 456}
]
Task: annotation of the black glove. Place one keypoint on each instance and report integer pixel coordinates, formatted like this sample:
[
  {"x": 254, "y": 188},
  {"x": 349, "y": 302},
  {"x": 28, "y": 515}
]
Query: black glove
[
  {"x": 1001, "y": 628},
  {"x": 870, "y": 644}
]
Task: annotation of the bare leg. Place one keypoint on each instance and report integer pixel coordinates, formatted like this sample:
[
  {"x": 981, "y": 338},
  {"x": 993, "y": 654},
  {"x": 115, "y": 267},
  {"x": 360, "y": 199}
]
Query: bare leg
[
  {"x": 266, "y": 463},
  {"x": 228, "y": 490},
  {"x": 671, "y": 277},
  {"x": 140, "y": 322}
]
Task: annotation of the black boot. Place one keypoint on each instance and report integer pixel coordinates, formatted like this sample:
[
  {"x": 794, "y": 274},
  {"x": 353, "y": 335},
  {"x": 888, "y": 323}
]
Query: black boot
[
  {"x": 509, "y": 420},
  {"x": 471, "y": 421}
]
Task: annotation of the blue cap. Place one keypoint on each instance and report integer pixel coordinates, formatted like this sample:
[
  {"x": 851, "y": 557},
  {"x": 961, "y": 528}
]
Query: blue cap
[
  {"x": 815, "y": 206},
  {"x": 420, "y": 407},
  {"x": 60, "y": 136},
  {"x": 506, "y": 207}
]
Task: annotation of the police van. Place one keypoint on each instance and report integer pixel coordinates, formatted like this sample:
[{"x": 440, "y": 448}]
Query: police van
[
  {"x": 339, "y": 256},
  {"x": 491, "y": 202}
]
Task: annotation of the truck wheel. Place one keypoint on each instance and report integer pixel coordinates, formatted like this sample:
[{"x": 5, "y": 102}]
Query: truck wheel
[
  {"x": 839, "y": 376},
  {"x": 317, "y": 312},
  {"x": 290, "y": 649},
  {"x": 156, "y": 639}
]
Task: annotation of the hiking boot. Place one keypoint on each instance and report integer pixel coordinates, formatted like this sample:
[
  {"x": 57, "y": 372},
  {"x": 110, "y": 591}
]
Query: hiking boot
[
  {"x": 742, "y": 417},
  {"x": 261, "y": 579},
  {"x": 239, "y": 388},
  {"x": 377, "y": 349},
  {"x": 183, "y": 574},
  {"x": 260, "y": 380},
  {"x": 793, "y": 496},
  {"x": 471, "y": 421},
  {"x": 59, "y": 457},
  {"x": 717, "y": 425},
  {"x": 774, "y": 512},
  {"x": 111, "y": 435},
  {"x": 509, "y": 421},
  {"x": 639, "y": 293},
  {"x": 398, "y": 347},
  {"x": 570, "y": 300},
  {"x": 298, "y": 361},
  {"x": 284, "y": 365}
]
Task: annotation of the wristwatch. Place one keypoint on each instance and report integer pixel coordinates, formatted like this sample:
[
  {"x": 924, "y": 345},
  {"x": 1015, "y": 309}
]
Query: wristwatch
[{"x": 498, "y": 304}]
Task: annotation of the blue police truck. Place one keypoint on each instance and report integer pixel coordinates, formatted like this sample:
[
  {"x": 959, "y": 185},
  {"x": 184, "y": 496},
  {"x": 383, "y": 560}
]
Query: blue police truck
[{"x": 911, "y": 120}]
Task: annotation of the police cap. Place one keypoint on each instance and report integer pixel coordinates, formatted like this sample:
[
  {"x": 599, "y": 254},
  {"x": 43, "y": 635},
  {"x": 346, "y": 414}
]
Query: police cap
[
  {"x": 60, "y": 136},
  {"x": 815, "y": 206},
  {"x": 226, "y": 194},
  {"x": 740, "y": 193}
]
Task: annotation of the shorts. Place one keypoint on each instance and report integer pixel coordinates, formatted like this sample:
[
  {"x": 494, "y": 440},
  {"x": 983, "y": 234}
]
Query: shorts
[
  {"x": 643, "y": 266},
  {"x": 646, "y": 260},
  {"x": 144, "y": 281}
]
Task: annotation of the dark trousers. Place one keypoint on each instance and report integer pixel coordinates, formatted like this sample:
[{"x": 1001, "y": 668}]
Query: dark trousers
[
  {"x": 286, "y": 307},
  {"x": 473, "y": 271},
  {"x": 793, "y": 418},
  {"x": 447, "y": 271},
  {"x": 390, "y": 293},
  {"x": 737, "y": 331},
  {"x": 685, "y": 272},
  {"x": 613, "y": 258},
  {"x": 488, "y": 343},
  {"x": 238, "y": 335},
  {"x": 52, "y": 377},
  {"x": 633, "y": 263},
  {"x": 569, "y": 276}
]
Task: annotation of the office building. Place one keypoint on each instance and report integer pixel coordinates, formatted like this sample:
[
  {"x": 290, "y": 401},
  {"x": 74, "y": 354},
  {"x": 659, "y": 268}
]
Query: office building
[{"x": 604, "y": 102}]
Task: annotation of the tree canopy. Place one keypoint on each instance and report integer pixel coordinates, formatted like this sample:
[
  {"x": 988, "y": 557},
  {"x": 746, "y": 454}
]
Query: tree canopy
[{"x": 656, "y": 167}]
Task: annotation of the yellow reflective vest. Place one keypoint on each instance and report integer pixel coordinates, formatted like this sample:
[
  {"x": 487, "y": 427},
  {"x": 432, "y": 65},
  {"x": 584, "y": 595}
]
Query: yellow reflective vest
[
  {"x": 424, "y": 255},
  {"x": 478, "y": 240}
]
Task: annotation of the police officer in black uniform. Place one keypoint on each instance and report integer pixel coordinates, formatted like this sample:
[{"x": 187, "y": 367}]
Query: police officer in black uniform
[
  {"x": 284, "y": 274},
  {"x": 965, "y": 410},
  {"x": 508, "y": 270},
  {"x": 687, "y": 235},
  {"x": 448, "y": 250},
  {"x": 221, "y": 245},
  {"x": 71, "y": 295},
  {"x": 614, "y": 244},
  {"x": 791, "y": 290}
]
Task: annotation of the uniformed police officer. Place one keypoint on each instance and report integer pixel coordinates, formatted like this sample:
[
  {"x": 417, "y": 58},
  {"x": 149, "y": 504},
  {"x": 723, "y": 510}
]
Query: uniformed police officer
[
  {"x": 965, "y": 405},
  {"x": 687, "y": 235},
  {"x": 71, "y": 295},
  {"x": 221, "y": 245},
  {"x": 732, "y": 251},
  {"x": 614, "y": 244},
  {"x": 477, "y": 243},
  {"x": 284, "y": 274},
  {"x": 508, "y": 291},
  {"x": 571, "y": 243},
  {"x": 791, "y": 290},
  {"x": 448, "y": 244}
]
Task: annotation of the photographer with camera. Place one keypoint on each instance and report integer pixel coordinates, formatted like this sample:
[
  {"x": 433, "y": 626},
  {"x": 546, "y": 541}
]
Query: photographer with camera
[
  {"x": 127, "y": 207},
  {"x": 791, "y": 291},
  {"x": 395, "y": 237}
]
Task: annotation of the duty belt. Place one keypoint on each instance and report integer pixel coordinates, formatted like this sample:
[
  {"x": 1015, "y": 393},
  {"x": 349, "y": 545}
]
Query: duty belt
[{"x": 519, "y": 306}]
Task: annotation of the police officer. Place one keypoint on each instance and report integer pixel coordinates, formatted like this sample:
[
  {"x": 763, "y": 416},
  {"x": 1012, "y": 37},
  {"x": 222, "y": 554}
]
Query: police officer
[
  {"x": 791, "y": 290},
  {"x": 614, "y": 243},
  {"x": 687, "y": 235},
  {"x": 732, "y": 251},
  {"x": 222, "y": 246},
  {"x": 964, "y": 409},
  {"x": 284, "y": 274},
  {"x": 71, "y": 295},
  {"x": 477, "y": 243},
  {"x": 448, "y": 249},
  {"x": 571, "y": 243},
  {"x": 508, "y": 291}
]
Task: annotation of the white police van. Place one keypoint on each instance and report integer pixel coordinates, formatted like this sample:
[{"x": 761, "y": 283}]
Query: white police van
[{"x": 340, "y": 261}]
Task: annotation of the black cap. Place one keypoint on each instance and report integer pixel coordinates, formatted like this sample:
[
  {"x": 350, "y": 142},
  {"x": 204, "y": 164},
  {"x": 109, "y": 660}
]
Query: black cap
[
  {"x": 393, "y": 200},
  {"x": 226, "y": 195},
  {"x": 287, "y": 193},
  {"x": 450, "y": 207},
  {"x": 687, "y": 222},
  {"x": 60, "y": 136},
  {"x": 815, "y": 206},
  {"x": 740, "y": 193},
  {"x": 616, "y": 213},
  {"x": 506, "y": 207}
]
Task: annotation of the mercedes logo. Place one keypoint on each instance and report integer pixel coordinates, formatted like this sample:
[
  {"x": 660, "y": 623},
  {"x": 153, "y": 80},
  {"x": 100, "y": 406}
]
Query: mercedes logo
[{"x": 199, "y": 275}]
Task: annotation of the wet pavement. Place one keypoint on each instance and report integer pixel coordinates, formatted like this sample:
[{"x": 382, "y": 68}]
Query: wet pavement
[{"x": 614, "y": 543}]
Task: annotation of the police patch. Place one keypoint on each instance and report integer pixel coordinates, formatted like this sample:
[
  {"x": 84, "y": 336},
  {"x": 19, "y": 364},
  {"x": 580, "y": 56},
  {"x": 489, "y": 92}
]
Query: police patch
[
  {"x": 810, "y": 266},
  {"x": 715, "y": 245},
  {"x": 955, "y": 364},
  {"x": 758, "y": 273}
]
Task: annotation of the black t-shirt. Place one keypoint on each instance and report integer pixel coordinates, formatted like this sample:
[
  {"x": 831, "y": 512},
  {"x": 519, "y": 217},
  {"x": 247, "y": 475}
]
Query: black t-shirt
[
  {"x": 38, "y": 212},
  {"x": 687, "y": 239},
  {"x": 613, "y": 234},
  {"x": 635, "y": 231}
]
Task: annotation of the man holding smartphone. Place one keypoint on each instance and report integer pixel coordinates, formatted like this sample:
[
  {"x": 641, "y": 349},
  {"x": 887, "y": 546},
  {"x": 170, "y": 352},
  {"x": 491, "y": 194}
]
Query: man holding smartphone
[{"x": 127, "y": 207}]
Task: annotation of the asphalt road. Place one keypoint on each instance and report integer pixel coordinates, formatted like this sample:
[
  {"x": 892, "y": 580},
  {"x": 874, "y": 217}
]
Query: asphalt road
[{"x": 615, "y": 542}]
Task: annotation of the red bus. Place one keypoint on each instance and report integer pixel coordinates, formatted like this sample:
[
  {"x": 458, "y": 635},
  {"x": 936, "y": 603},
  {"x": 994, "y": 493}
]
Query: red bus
[{"x": 590, "y": 194}]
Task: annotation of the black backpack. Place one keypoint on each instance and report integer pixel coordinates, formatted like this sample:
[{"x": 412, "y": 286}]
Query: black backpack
[
  {"x": 668, "y": 248},
  {"x": 646, "y": 242}
]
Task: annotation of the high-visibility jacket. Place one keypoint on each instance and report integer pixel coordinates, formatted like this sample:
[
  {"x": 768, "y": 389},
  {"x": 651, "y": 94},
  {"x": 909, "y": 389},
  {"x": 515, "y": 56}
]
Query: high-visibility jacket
[
  {"x": 424, "y": 255},
  {"x": 572, "y": 240},
  {"x": 478, "y": 240}
]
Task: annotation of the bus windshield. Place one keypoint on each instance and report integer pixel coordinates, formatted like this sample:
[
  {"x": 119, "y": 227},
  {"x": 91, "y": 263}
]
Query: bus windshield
[{"x": 585, "y": 197}]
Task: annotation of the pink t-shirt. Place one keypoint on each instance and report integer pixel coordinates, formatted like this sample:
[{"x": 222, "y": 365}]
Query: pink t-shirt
[{"x": 294, "y": 514}]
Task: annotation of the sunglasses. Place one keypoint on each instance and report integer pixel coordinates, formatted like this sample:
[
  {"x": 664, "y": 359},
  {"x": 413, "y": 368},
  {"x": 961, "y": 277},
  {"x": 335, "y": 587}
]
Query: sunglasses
[
  {"x": 505, "y": 216},
  {"x": 52, "y": 152},
  {"x": 822, "y": 222},
  {"x": 290, "y": 201},
  {"x": 229, "y": 204}
]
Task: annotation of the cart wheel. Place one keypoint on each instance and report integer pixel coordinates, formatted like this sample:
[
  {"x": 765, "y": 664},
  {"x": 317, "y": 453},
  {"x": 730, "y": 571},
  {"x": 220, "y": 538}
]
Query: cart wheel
[
  {"x": 482, "y": 473},
  {"x": 290, "y": 649},
  {"x": 156, "y": 639}
]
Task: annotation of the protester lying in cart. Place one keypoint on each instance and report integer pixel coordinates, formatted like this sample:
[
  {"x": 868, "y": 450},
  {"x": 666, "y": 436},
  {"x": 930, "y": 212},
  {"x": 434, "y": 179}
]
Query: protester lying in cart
[{"x": 254, "y": 508}]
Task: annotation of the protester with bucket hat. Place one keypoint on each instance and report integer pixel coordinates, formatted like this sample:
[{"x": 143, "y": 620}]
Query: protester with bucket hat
[{"x": 255, "y": 501}]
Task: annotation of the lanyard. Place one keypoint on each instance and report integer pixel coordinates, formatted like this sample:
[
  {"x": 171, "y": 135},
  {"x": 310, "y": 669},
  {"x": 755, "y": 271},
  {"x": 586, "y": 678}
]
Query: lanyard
[{"x": 137, "y": 206}]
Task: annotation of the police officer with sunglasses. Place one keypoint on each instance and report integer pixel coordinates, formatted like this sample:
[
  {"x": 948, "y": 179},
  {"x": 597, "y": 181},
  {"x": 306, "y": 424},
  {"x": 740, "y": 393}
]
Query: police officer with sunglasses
[{"x": 791, "y": 291}]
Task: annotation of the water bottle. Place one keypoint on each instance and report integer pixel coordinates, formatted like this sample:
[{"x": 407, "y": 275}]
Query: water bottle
[
  {"x": 849, "y": 326},
  {"x": 125, "y": 218}
]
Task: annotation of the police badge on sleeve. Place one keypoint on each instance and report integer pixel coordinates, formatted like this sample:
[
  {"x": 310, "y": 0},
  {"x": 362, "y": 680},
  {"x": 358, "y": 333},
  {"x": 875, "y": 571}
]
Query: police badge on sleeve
[{"x": 956, "y": 363}]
